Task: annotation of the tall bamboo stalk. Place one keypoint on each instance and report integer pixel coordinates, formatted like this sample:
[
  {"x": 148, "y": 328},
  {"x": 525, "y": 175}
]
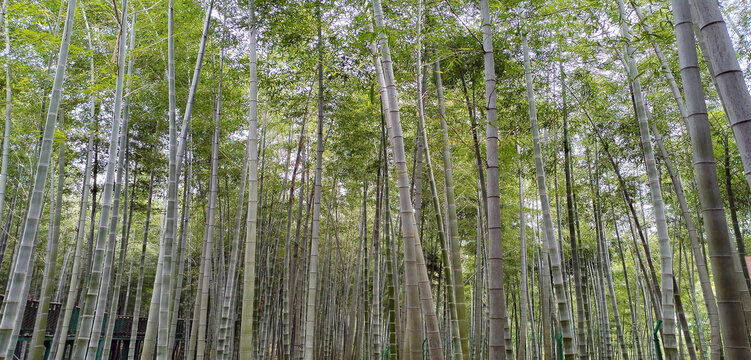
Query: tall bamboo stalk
[
  {"x": 655, "y": 191},
  {"x": 61, "y": 333},
  {"x": 208, "y": 240},
  {"x": 376, "y": 315},
  {"x": 122, "y": 167},
  {"x": 20, "y": 277},
  {"x": 701, "y": 266},
  {"x": 118, "y": 278},
  {"x": 166, "y": 249},
  {"x": 249, "y": 274},
  {"x": 453, "y": 223},
  {"x": 414, "y": 261},
  {"x": 564, "y": 317},
  {"x": 575, "y": 263},
  {"x": 735, "y": 342},
  {"x": 132, "y": 348},
  {"x": 50, "y": 263},
  {"x": 728, "y": 77},
  {"x": 227, "y": 325},
  {"x": 496, "y": 295},
  {"x": 521, "y": 352},
  {"x": 88, "y": 338},
  {"x": 8, "y": 111},
  {"x": 311, "y": 311},
  {"x": 440, "y": 227},
  {"x": 181, "y": 253},
  {"x": 478, "y": 324}
]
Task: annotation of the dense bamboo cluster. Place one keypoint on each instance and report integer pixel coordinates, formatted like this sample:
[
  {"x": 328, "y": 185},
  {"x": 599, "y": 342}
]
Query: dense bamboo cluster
[{"x": 308, "y": 180}]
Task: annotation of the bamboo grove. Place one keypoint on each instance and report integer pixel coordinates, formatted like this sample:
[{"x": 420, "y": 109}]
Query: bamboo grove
[{"x": 412, "y": 179}]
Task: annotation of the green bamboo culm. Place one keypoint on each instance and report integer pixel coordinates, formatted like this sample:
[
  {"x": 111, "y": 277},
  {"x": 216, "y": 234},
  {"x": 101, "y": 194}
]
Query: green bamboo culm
[
  {"x": 657, "y": 339},
  {"x": 559, "y": 342},
  {"x": 20, "y": 275}
]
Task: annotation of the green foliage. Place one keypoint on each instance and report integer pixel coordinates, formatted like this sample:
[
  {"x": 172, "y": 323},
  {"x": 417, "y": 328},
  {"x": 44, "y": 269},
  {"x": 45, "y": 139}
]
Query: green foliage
[{"x": 581, "y": 38}]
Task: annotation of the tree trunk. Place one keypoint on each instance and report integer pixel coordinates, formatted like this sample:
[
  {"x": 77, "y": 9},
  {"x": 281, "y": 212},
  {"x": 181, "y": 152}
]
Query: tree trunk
[
  {"x": 477, "y": 292},
  {"x": 94, "y": 130},
  {"x": 614, "y": 300},
  {"x": 729, "y": 81},
  {"x": 207, "y": 253},
  {"x": 102, "y": 271},
  {"x": 353, "y": 314},
  {"x": 50, "y": 263},
  {"x": 166, "y": 248},
  {"x": 735, "y": 341},
  {"x": 249, "y": 275},
  {"x": 684, "y": 323},
  {"x": 287, "y": 288},
  {"x": 701, "y": 266},
  {"x": 392, "y": 267},
  {"x": 521, "y": 352},
  {"x": 453, "y": 223},
  {"x": 632, "y": 308},
  {"x": 737, "y": 233},
  {"x": 193, "y": 340},
  {"x": 133, "y": 348},
  {"x": 151, "y": 328},
  {"x": 496, "y": 296},
  {"x": 580, "y": 325},
  {"x": 5, "y": 235},
  {"x": 375, "y": 329},
  {"x": 440, "y": 230},
  {"x": 125, "y": 231},
  {"x": 600, "y": 295},
  {"x": 61, "y": 333},
  {"x": 20, "y": 278},
  {"x": 564, "y": 317},
  {"x": 181, "y": 252},
  {"x": 8, "y": 111},
  {"x": 414, "y": 262},
  {"x": 666, "y": 256},
  {"x": 227, "y": 326},
  {"x": 126, "y": 222},
  {"x": 313, "y": 266}
]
